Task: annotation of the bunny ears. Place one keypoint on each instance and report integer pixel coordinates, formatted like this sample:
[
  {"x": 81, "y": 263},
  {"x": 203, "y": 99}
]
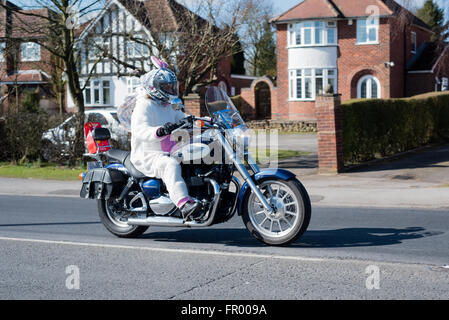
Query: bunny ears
[{"x": 158, "y": 63}]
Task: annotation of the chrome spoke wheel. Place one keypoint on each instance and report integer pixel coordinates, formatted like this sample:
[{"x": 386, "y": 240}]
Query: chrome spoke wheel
[
  {"x": 116, "y": 213},
  {"x": 288, "y": 210}
]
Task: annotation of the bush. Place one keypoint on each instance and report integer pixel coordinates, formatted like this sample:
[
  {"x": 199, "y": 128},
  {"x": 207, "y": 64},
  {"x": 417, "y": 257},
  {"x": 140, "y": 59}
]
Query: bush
[
  {"x": 378, "y": 128},
  {"x": 21, "y": 136}
]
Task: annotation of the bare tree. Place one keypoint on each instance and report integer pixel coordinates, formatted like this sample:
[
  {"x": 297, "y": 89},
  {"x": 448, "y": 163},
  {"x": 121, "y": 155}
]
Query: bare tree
[
  {"x": 193, "y": 41},
  {"x": 257, "y": 15}
]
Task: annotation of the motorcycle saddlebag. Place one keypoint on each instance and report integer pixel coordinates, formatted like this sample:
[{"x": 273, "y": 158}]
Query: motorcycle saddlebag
[{"x": 102, "y": 184}]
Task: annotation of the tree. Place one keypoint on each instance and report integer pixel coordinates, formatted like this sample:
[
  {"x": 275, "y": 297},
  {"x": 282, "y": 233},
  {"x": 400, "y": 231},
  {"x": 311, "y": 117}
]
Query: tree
[
  {"x": 433, "y": 15},
  {"x": 266, "y": 48},
  {"x": 238, "y": 59},
  {"x": 194, "y": 45},
  {"x": 257, "y": 34},
  {"x": 52, "y": 26}
]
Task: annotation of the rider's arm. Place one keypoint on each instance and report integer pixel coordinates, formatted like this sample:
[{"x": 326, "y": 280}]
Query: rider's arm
[{"x": 141, "y": 124}]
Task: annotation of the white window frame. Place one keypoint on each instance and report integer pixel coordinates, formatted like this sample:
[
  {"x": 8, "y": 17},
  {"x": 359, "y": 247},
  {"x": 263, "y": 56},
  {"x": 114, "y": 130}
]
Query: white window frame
[
  {"x": 369, "y": 79},
  {"x": 413, "y": 42},
  {"x": 324, "y": 26},
  {"x": 132, "y": 83},
  {"x": 30, "y": 51},
  {"x": 97, "y": 86},
  {"x": 135, "y": 49},
  {"x": 2, "y": 51},
  {"x": 368, "y": 28},
  {"x": 294, "y": 77},
  {"x": 98, "y": 42}
]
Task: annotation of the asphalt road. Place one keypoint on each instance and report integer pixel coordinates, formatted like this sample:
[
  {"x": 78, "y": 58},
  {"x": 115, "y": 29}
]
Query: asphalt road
[{"x": 347, "y": 253}]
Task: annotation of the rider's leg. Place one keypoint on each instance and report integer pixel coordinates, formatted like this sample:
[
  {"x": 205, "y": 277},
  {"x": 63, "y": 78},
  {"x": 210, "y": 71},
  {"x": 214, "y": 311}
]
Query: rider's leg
[{"x": 169, "y": 170}]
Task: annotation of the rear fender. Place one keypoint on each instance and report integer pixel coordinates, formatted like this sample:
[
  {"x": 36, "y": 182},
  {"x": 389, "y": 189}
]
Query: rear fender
[{"x": 263, "y": 175}]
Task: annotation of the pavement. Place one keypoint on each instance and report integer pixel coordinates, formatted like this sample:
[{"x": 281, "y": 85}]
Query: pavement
[{"x": 418, "y": 179}]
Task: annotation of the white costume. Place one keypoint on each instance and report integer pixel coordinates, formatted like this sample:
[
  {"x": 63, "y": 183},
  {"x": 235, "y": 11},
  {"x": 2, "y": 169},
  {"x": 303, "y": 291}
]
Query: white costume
[{"x": 150, "y": 153}]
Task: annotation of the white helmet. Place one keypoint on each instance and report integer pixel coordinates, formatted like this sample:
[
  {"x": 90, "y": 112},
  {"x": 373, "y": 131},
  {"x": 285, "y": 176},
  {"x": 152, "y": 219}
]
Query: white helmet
[{"x": 161, "y": 83}]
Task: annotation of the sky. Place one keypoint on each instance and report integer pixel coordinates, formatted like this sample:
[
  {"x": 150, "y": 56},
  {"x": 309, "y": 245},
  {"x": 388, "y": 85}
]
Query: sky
[{"x": 281, "y": 6}]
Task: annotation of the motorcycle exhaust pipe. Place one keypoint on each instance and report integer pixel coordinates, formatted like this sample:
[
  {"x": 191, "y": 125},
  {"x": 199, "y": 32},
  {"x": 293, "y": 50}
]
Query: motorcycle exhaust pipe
[{"x": 176, "y": 222}]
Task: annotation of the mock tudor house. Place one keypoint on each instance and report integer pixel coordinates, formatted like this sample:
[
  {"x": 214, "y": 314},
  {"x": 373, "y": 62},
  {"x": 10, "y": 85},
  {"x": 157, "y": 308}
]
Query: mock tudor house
[
  {"x": 363, "y": 49},
  {"x": 111, "y": 82}
]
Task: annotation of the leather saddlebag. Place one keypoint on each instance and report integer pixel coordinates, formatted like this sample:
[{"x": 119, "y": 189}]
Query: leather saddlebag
[{"x": 102, "y": 184}]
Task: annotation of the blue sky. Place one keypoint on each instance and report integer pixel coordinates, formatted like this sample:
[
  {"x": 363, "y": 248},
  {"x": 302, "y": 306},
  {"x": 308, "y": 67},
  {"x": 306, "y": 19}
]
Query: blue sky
[{"x": 281, "y": 6}]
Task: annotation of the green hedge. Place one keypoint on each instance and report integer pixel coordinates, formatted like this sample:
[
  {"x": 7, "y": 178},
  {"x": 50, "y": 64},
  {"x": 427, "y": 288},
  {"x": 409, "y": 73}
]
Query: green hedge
[{"x": 378, "y": 128}]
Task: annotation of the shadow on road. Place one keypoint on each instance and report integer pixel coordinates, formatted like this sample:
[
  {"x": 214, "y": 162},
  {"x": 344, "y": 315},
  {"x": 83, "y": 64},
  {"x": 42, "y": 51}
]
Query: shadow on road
[{"x": 340, "y": 238}]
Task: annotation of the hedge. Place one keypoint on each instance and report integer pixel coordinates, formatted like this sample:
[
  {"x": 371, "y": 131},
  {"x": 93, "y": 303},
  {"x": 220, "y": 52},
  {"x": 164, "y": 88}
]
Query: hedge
[{"x": 378, "y": 128}]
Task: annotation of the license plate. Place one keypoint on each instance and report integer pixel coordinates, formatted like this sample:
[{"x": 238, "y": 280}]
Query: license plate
[{"x": 93, "y": 165}]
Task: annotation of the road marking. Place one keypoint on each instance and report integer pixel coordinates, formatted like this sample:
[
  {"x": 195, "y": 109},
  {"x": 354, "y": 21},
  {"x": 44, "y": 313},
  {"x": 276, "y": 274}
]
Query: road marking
[
  {"x": 168, "y": 250},
  {"x": 211, "y": 252}
]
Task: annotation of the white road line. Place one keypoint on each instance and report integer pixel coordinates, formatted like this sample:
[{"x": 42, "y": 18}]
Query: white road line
[
  {"x": 211, "y": 252},
  {"x": 167, "y": 250}
]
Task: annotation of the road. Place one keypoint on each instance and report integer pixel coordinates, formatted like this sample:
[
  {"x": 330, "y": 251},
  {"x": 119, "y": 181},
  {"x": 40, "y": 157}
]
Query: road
[{"x": 40, "y": 237}]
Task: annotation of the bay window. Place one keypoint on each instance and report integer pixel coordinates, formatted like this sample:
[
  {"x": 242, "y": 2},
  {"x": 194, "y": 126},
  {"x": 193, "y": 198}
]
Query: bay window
[
  {"x": 307, "y": 84},
  {"x": 310, "y": 33}
]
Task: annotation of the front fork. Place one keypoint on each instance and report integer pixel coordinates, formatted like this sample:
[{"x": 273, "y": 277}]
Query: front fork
[{"x": 244, "y": 171}]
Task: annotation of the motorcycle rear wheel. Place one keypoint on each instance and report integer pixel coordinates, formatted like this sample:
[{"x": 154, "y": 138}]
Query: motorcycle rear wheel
[
  {"x": 291, "y": 219},
  {"x": 114, "y": 225}
]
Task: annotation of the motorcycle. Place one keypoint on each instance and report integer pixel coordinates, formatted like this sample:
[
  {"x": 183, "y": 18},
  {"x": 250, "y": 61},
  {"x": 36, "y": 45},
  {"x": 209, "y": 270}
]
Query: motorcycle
[{"x": 274, "y": 205}]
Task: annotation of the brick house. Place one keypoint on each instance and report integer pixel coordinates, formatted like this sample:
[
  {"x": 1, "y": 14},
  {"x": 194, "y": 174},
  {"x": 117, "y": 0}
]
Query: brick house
[
  {"x": 25, "y": 66},
  {"x": 364, "y": 49}
]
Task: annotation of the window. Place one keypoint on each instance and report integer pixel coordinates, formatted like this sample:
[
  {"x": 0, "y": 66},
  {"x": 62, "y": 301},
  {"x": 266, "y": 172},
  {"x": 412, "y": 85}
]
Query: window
[
  {"x": 309, "y": 33},
  {"x": 98, "y": 46},
  {"x": 306, "y": 84},
  {"x": 413, "y": 42},
  {"x": 132, "y": 84},
  {"x": 368, "y": 88},
  {"x": 98, "y": 93},
  {"x": 135, "y": 49},
  {"x": 30, "y": 51},
  {"x": 2, "y": 51},
  {"x": 368, "y": 31}
]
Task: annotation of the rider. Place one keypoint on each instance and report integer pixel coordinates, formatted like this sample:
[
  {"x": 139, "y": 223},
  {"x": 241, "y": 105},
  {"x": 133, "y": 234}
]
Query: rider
[{"x": 153, "y": 120}]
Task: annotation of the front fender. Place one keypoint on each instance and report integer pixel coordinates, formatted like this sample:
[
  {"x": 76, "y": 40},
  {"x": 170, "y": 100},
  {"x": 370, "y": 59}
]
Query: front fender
[{"x": 262, "y": 175}]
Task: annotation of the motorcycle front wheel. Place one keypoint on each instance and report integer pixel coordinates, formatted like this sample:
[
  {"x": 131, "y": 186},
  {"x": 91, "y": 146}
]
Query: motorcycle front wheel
[
  {"x": 114, "y": 219},
  {"x": 290, "y": 219}
]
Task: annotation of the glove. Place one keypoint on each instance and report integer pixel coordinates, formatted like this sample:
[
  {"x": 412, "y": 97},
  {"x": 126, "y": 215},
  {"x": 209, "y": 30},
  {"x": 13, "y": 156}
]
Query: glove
[{"x": 167, "y": 129}]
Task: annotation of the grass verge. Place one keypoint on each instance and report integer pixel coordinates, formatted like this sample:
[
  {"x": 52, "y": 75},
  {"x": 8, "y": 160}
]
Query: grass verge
[{"x": 45, "y": 171}]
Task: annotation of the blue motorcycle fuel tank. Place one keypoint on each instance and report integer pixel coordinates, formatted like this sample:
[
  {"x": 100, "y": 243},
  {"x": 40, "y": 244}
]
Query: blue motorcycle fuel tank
[{"x": 152, "y": 189}]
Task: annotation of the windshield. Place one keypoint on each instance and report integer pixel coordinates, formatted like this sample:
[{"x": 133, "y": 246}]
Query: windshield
[{"x": 222, "y": 109}]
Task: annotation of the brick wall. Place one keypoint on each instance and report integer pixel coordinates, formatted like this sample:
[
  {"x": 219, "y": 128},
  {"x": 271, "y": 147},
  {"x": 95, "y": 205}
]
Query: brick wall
[{"x": 330, "y": 134}]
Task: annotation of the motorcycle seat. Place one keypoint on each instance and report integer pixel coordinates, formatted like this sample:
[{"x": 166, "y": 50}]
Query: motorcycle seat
[
  {"x": 132, "y": 170},
  {"x": 117, "y": 155},
  {"x": 124, "y": 157}
]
